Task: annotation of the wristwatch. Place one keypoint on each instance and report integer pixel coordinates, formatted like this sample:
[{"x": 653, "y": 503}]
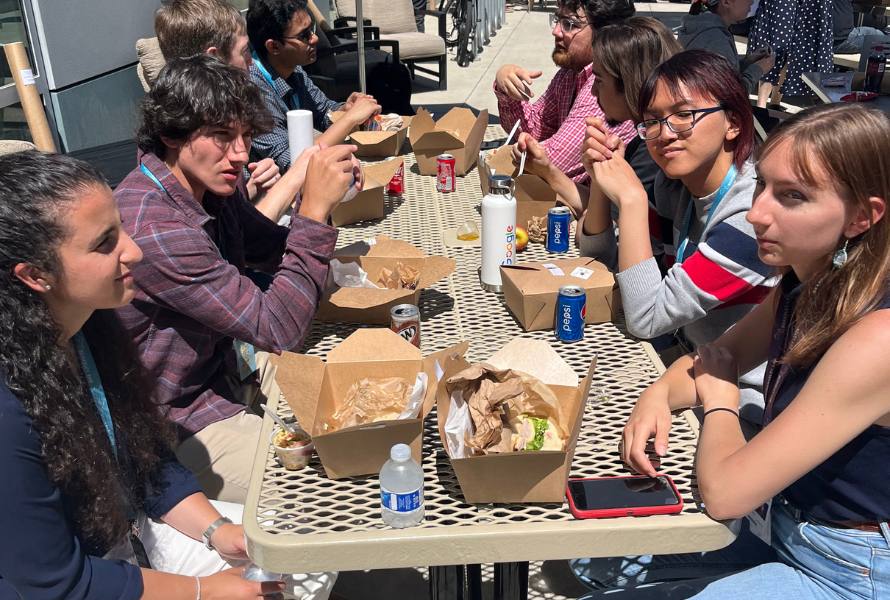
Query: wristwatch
[{"x": 208, "y": 533}]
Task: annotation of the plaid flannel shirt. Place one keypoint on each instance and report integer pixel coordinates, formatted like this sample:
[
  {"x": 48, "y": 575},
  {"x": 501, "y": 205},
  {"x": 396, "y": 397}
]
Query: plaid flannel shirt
[
  {"x": 297, "y": 91},
  {"x": 556, "y": 119},
  {"x": 192, "y": 297}
]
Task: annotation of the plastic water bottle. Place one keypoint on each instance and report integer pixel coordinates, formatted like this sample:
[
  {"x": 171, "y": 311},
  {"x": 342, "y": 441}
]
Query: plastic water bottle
[
  {"x": 498, "y": 230},
  {"x": 401, "y": 489}
]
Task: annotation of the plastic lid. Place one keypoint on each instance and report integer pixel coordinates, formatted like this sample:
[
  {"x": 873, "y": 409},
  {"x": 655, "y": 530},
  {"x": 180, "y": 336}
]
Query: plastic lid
[{"x": 400, "y": 452}]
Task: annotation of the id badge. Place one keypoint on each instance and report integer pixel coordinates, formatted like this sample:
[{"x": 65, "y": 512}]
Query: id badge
[
  {"x": 759, "y": 522},
  {"x": 245, "y": 354}
]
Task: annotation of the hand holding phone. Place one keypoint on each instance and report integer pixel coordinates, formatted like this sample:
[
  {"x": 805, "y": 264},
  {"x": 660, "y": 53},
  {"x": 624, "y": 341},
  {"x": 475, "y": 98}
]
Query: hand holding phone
[{"x": 602, "y": 497}]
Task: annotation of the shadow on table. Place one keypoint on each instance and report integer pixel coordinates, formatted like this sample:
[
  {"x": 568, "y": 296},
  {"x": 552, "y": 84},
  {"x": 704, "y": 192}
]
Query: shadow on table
[{"x": 433, "y": 303}]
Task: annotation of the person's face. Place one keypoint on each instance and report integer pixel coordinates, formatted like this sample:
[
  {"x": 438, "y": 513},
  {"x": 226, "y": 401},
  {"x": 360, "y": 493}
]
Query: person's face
[
  {"x": 683, "y": 154},
  {"x": 736, "y": 10},
  {"x": 240, "y": 56},
  {"x": 797, "y": 224},
  {"x": 611, "y": 99},
  {"x": 297, "y": 47},
  {"x": 213, "y": 158},
  {"x": 571, "y": 39},
  {"x": 95, "y": 257}
]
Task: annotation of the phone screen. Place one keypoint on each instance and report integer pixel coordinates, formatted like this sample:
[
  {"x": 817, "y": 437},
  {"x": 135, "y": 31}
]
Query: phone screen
[{"x": 621, "y": 492}]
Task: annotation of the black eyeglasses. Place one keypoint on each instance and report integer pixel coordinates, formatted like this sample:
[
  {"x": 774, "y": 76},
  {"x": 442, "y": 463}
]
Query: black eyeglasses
[
  {"x": 567, "y": 24},
  {"x": 678, "y": 122},
  {"x": 305, "y": 35}
]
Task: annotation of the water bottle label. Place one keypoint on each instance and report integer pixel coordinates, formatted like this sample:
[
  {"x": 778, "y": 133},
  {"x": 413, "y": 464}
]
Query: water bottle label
[{"x": 401, "y": 503}]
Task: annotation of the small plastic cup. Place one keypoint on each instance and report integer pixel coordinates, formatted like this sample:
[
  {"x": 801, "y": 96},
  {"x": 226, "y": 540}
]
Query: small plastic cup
[{"x": 292, "y": 457}]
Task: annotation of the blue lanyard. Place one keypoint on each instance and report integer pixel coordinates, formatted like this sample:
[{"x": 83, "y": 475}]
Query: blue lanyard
[
  {"x": 295, "y": 102},
  {"x": 728, "y": 180},
  {"x": 145, "y": 170},
  {"x": 95, "y": 382}
]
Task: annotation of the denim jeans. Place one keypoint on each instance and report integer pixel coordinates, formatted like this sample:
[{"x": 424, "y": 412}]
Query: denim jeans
[
  {"x": 855, "y": 40},
  {"x": 815, "y": 562}
]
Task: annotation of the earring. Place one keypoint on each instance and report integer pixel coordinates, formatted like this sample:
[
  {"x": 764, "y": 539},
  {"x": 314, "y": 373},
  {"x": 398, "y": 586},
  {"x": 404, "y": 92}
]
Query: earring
[
  {"x": 47, "y": 287},
  {"x": 840, "y": 256}
]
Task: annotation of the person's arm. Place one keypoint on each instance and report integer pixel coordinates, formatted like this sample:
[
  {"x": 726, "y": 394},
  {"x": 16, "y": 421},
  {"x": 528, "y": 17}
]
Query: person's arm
[
  {"x": 40, "y": 557},
  {"x": 361, "y": 110},
  {"x": 748, "y": 341},
  {"x": 278, "y": 199},
  {"x": 535, "y": 118},
  {"x": 538, "y": 163},
  {"x": 847, "y": 391}
]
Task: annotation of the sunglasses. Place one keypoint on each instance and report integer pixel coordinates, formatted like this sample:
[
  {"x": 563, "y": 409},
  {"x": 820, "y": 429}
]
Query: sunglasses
[{"x": 305, "y": 35}]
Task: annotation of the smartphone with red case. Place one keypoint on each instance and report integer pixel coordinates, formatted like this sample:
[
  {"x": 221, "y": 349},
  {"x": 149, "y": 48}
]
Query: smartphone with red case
[{"x": 624, "y": 496}]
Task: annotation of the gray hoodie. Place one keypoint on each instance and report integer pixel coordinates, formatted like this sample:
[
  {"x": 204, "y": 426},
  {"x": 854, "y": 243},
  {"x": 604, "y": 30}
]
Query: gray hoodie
[{"x": 707, "y": 31}]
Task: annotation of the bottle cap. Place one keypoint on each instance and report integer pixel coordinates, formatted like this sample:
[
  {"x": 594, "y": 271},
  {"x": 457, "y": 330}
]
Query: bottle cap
[
  {"x": 400, "y": 452},
  {"x": 500, "y": 184}
]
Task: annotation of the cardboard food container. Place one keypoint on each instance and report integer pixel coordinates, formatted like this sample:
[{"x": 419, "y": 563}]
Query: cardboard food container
[
  {"x": 368, "y": 203},
  {"x": 314, "y": 387},
  {"x": 534, "y": 196},
  {"x": 366, "y": 305},
  {"x": 377, "y": 144},
  {"x": 530, "y": 290},
  {"x": 539, "y": 476},
  {"x": 458, "y": 133}
]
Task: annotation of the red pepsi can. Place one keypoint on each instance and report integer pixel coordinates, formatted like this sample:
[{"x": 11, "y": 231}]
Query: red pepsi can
[
  {"x": 445, "y": 173},
  {"x": 559, "y": 218},
  {"x": 396, "y": 185},
  {"x": 571, "y": 313}
]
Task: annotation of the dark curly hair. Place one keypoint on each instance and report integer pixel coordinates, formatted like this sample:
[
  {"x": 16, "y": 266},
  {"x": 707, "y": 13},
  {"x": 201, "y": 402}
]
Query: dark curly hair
[
  {"x": 269, "y": 20},
  {"x": 196, "y": 92},
  {"x": 601, "y": 12},
  {"x": 36, "y": 192}
]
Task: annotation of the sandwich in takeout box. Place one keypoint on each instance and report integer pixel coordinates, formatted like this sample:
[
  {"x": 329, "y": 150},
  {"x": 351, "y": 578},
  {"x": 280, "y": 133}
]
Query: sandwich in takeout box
[
  {"x": 530, "y": 290},
  {"x": 510, "y": 425},
  {"x": 534, "y": 196},
  {"x": 459, "y": 133},
  {"x": 373, "y": 391},
  {"x": 368, "y": 203},
  {"x": 372, "y": 276}
]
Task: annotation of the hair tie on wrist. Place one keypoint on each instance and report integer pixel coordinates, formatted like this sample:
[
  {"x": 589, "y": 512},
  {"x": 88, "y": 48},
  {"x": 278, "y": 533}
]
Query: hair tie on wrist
[{"x": 719, "y": 408}]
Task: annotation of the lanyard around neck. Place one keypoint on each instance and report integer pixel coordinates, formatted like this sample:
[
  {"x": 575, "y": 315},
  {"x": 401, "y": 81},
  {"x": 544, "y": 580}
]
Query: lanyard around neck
[
  {"x": 147, "y": 172},
  {"x": 294, "y": 104},
  {"x": 728, "y": 180},
  {"x": 88, "y": 365}
]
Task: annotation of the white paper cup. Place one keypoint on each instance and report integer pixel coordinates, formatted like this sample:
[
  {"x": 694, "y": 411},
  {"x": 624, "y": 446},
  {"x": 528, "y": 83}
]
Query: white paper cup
[{"x": 293, "y": 458}]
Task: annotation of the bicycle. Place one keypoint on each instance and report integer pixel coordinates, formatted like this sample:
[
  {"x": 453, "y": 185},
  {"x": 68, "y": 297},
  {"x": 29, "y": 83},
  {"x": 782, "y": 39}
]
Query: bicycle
[{"x": 462, "y": 33}]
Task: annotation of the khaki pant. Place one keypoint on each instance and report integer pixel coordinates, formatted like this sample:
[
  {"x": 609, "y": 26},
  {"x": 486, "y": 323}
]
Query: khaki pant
[{"x": 221, "y": 455}]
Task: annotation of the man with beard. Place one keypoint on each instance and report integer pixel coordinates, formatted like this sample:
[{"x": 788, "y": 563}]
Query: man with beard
[{"x": 557, "y": 118}]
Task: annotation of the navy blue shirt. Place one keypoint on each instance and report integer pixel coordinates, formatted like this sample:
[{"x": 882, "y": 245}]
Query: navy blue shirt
[
  {"x": 853, "y": 484},
  {"x": 40, "y": 556}
]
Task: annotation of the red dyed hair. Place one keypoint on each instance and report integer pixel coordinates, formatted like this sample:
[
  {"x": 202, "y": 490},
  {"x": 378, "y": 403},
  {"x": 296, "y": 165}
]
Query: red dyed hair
[{"x": 707, "y": 75}]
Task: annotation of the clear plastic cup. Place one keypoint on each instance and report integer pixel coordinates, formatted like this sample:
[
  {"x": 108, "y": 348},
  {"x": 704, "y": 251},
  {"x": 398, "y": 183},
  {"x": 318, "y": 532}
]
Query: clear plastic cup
[{"x": 292, "y": 457}]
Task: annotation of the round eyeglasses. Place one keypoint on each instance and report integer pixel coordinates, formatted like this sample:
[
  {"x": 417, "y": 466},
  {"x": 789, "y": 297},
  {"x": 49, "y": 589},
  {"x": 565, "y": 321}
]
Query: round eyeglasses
[
  {"x": 568, "y": 25},
  {"x": 678, "y": 122}
]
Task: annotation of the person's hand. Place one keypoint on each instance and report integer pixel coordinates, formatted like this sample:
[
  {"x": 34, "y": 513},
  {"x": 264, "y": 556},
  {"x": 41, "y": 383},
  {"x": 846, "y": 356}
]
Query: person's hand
[
  {"x": 599, "y": 143},
  {"x": 358, "y": 174},
  {"x": 328, "y": 177},
  {"x": 617, "y": 179},
  {"x": 231, "y": 585},
  {"x": 516, "y": 82},
  {"x": 353, "y": 97},
  {"x": 263, "y": 175},
  {"x": 536, "y": 159},
  {"x": 716, "y": 377},
  {"x": 362, "y": 109},
  {"x": 766, "y": 63},
  {"x": 650, "y": 417},
  {"x": 298, "y": 167},
  {"x": 228, "y": 540}
]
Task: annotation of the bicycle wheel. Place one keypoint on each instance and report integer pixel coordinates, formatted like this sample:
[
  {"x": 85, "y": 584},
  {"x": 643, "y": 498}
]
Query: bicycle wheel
[
  {"x": 452, "y": 8},
  {"x": 466, "y": 34}
]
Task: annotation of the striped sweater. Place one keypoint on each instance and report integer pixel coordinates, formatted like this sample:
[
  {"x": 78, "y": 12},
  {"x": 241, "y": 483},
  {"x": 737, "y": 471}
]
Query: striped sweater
[{"x": 721, "y": 279}]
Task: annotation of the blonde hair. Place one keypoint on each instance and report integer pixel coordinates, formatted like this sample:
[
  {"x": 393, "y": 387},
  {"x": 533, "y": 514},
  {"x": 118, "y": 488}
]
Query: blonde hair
[
  {"x": 846, "y": 147},
  {"x": 629, "y": 51},
  {"x": 188, "y": 27}
]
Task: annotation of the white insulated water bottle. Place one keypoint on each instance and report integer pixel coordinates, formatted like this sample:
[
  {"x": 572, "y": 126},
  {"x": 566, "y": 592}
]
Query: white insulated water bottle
[{"x": 498, "y": 230}]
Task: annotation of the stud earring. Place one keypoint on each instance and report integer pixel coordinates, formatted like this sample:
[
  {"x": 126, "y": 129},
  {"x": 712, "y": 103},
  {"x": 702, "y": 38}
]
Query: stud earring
[
  {"x": 840, "y": 256},
  {"x": 47, "y": 287}
]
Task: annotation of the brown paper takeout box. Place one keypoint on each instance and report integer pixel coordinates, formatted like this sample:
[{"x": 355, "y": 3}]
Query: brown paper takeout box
[
  {"x": 366, "y": 305},
  {"x": 458, "y": 133},
  {"x": 530, "y": 291},
  {"x": 539, "y": 476},
  {"x": 313, "y": 388},
  {"x": 377, "y": 144},
  {"x": 368, "y": 203},
  {"x": 534, "y": 196}
]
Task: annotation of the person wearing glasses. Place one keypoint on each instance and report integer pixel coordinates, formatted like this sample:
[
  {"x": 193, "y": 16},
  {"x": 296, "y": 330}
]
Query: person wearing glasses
[
  {"x": 282, "y": 35},
  {"x": 556, "y": 118}
]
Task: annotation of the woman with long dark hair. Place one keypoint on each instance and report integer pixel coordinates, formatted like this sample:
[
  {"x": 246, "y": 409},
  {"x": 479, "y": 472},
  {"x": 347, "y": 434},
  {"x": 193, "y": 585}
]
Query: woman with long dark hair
[{"x": 94, "y": 496}]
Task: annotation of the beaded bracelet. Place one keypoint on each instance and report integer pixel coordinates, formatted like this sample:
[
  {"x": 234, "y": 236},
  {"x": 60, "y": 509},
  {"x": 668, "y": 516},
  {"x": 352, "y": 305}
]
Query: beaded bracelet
[{"x": 719, "y": 408}]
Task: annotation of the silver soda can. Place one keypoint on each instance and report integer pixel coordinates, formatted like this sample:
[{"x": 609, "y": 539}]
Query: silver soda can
[{"x": 405, "y": 320}]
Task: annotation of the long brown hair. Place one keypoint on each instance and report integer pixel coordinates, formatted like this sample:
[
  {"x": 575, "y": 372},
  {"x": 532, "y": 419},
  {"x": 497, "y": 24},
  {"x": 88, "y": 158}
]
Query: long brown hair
[
  {"x": 629, "y": 51},
  {"x": 847, "y": 147}
]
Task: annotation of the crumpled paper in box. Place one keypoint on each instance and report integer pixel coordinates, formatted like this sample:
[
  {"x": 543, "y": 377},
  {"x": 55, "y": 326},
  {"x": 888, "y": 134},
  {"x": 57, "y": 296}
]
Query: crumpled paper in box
[
  {"x": 484, "y": 400},
  {"x": 351, "y": 275},
  {"x": 375, "y": 399}
]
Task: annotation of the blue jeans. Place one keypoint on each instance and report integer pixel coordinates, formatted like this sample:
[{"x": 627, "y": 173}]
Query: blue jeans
[
  {"x": 856, "y": 39},
  {"x": 815, "y": 562}
]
